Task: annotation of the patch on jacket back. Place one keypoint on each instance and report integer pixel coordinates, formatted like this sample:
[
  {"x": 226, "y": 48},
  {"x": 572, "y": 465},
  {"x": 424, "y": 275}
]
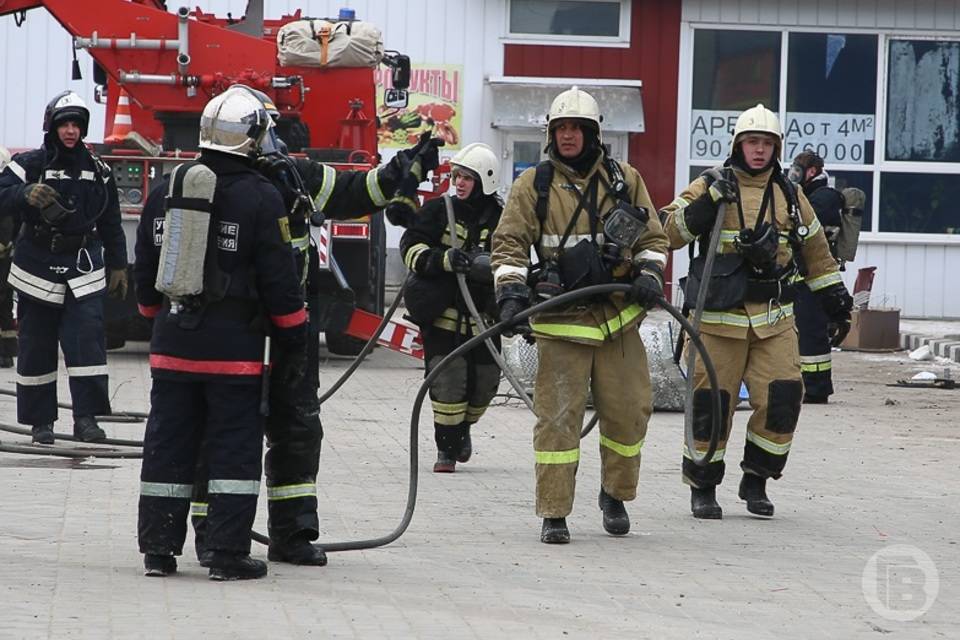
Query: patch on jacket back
[
  {"x": 227, "y": 238},
  {"x": 157, "y": 232}
]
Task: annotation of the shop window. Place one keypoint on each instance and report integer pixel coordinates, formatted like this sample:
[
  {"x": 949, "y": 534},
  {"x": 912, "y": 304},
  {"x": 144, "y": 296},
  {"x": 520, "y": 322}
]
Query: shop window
[
  {"x": 919, "y": 203},
  {"x": 599, "y": 20},
  {"x": 831, "y": 97},
  {"x": 923, "y": 106},
  {"x": 732, "y": 71}
]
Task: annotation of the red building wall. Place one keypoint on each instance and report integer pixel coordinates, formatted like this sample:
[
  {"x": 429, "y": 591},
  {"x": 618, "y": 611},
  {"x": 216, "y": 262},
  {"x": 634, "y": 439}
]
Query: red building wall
[{"x": 653, "y": 57}]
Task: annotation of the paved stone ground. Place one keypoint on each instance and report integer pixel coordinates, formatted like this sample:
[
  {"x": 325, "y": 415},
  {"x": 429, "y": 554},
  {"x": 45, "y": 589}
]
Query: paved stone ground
[{"x": 875, "y": 468}]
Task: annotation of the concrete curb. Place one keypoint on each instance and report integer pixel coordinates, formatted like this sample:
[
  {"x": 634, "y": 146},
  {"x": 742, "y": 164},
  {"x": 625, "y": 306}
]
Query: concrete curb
[{"x": 943, "y": 347}]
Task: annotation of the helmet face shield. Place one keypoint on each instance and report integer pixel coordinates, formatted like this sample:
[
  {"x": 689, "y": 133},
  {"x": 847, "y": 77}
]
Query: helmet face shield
[{"x": 235, "y": 122}]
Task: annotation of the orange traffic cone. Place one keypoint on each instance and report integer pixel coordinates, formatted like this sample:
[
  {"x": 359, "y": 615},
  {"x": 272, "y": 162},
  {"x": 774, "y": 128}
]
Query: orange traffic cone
[{"x": 122, "y": 121}]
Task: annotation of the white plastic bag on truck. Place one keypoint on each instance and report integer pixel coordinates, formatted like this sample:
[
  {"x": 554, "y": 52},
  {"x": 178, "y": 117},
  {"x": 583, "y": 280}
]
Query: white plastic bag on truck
[{"x": 318, "y": 43}]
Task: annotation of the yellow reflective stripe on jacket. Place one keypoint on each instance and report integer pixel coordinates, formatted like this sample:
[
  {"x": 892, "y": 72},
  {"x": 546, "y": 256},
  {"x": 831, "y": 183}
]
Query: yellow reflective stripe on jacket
[
  {"x": 812, "y": 229},
  {"x": 558, "y": 457},
  {"x": 199, "y": 509},
  {"x": 717, "y": 455},
  {"x": 374, "y": 190},
  {"x": 461, "y": 235},
  {"x": 600, "y": 333},
  {"x": 734, "y": 319},
  {"x": 768, "y": 445},
  {"x": 291, "y": 491},
  {"x": 475, "y": 413},
  {"x": 727, "y": 236},
  {"x": 326, "y": 187},
  {"x": 452, "y": 320},
  {"x": 413, "y": 253},
  {"x": 681, "y": 221},
  {"x": 824, "y": 281},
  {"x": 625, "y": 450},
  {"x": 301, "y": 243}
]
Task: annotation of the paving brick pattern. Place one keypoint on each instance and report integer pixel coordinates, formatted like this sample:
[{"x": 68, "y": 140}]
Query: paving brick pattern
[{"x": 876, "y": 467}]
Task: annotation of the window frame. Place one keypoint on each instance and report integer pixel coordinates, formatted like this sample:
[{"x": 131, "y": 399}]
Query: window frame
[
  {"x": 880, "y": 164},
  {"x": 622, "y": 41}
]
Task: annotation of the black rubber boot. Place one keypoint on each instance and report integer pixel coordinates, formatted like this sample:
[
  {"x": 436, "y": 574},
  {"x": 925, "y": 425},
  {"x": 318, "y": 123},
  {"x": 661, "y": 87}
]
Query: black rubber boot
[
  {"x": 445, "y": 463},
  {"x": 753, "y": 489},
  {"x": 616, "y": 522},
  {"x": 158, "y": 566},
  {"x": 703, "y": 503},
  {"x": 86, "y": 429},
  {"x": 555, "y": 531},
  {"x": 42, "y": 433},
  {"x": 225, "y": 565},
  {"x": 297, "y": 550},
  {"x": 466, "y": 446}
]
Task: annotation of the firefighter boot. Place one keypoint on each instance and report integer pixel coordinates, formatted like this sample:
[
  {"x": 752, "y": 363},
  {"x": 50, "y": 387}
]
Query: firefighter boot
[
  {"x": 445, "y": 463},
  {"x": 753, "y": 490},
  {"x": 555, "y": 531},
  {"x": 86, "y": 429},
  {"x": 227, "y": 565},
  {"x": 616, "y": 522},
  {"x": 42, "y": 433},
  {"x": 466, "y": 445},
  {"x": 158, "y": 566},
  {"x": 297, "y": 550},
  {"x": 703, "y": 503}
]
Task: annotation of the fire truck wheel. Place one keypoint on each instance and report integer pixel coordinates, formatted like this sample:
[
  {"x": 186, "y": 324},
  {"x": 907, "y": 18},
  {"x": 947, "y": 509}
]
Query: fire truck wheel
[{"x": 343, "y": 345}]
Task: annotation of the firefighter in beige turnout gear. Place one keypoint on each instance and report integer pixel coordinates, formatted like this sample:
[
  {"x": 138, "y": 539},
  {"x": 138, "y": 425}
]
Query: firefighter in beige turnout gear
[
  {"x": 592, "y": 346},
  {"x": 770, "y": 239}
]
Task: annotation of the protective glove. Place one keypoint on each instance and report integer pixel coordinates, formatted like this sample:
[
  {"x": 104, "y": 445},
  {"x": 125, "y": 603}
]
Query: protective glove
[
  {"x": 512, "y": 299},
  {"x": 456, "y": 261},
  {"x": 289, "y": 358},
  {"x": 429, "y": 155},
  {"x": 647, "y": 288},
  {"x": 39, "y": 195},
  {"x": 719, "y": 188},
  {"x": 481, "y": 271},
  {"x": 837, "y": 305},
  {"x": 117, "y": 287}
]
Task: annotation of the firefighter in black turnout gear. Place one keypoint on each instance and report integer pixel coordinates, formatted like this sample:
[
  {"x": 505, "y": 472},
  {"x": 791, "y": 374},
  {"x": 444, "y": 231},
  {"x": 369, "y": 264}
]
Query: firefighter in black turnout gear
[
  {"x": 816, "y": 360},
  {"x": 433, "y": 298},
  {"x": 215, "y": 270},
  {"x": 293, "y": 428},
  {"x": 69, "y": 251}
]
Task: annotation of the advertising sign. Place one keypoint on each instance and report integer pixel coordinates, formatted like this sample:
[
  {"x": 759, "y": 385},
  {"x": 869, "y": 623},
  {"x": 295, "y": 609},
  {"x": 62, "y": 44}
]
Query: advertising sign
[{"x": 436, "y": 101}]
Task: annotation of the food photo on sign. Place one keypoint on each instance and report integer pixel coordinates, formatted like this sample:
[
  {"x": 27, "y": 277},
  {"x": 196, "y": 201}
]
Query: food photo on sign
[{"x": 435, "y": 105}]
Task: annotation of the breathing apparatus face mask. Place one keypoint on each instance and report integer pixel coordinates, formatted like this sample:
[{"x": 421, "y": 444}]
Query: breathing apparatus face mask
[
  {"x": 759, "y": 247},
  {"x": 625, "y": 224},
  {"x": 795, "y": 173}
]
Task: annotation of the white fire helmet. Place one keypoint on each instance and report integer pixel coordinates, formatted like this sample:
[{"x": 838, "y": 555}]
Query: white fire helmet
[
  {"x": 758, "y": 119},
  {"x": 481, "y": 160},
  {"x": 574, "y": 103},
  {"x": 66, "y": 106},
  {"x": 235, "y": 122}
]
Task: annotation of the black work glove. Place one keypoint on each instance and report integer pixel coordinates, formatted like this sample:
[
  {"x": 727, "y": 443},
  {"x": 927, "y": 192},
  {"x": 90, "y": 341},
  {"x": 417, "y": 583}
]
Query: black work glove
[
  {"x": 512, "y": 299},
  {"x": 456, "y": 261},
  {"x": 289, "y": 358},
  {"x": 429, "y": 155},
  {"x": 647, "y": 288},
  {"x": 837, "y": 306},
  {"x": 39, "y": 195},
  {"x": 719, "y": 188},
  {"x": 481, "y": 271}
]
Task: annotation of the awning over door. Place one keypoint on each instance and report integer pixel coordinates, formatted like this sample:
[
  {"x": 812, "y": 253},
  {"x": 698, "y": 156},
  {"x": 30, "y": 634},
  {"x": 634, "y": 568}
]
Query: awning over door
[{"x": 522, "y": 103}]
